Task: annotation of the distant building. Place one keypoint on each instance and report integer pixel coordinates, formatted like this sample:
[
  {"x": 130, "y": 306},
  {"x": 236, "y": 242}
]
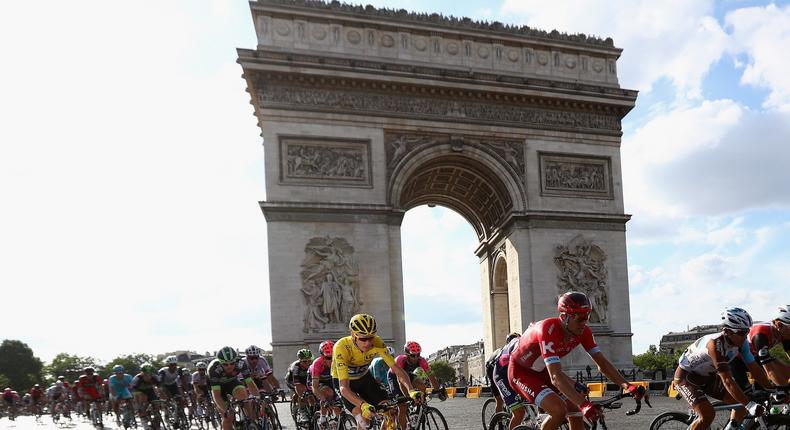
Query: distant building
[
  {"x": 678, "y": 341},
  {"x": 467, "y": 360}
]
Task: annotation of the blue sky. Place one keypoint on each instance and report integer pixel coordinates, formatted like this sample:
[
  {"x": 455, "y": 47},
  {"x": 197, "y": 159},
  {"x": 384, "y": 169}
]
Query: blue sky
[{"x": 131, "y": 167}]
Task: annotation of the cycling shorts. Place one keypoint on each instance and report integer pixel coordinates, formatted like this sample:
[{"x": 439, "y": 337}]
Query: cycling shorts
[
  {"x": 499, "y": 382},
  {"x": 121, "y": 395},
  {"x": 693, "y": 387},
  {"x": 490, "y": 367},
  {"x": 149, "y": 393},
  {"x": 171, "y": 389},
  {"x": 229, "y": 387},
  {"x": 535, "y": 386},
  {"x": 366, "y": 388}
]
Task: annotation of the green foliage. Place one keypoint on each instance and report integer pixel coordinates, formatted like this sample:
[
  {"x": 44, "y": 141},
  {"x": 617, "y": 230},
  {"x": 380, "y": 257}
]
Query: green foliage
[
  {"x": 132, "y": 363},
  {"x": 4, "y": 381},
  {"x": 70, "y": 366},
  {"x": 654, "y": 359},
  {"x": 778, "y": 352},
  {"x": 442, "y": 371},
  {"x": 21, "y": 368}
]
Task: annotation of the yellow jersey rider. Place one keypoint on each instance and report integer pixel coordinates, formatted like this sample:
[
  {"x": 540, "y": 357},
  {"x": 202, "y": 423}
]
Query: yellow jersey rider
[{"x": 351, "y": 358}]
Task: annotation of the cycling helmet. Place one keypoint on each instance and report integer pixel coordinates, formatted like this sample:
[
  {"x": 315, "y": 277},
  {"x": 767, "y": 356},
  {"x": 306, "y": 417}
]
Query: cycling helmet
[
  {"x": 253, "y": 351},
  {"x": 200, "y": 365},
  {"x": 88, "y": 370},
  {"x": 304, "y": 354},
  {"x": 736, "y": 319},
  {"x": 390, "y": 350},
  {"x": 326, "y": 348},
  {"x": 60, "y": 378},
  {"x": 512, "y": 336},
  {"x": 7, "y": 390},
  {"x": 412, "y": 348},
  {"x": 118, "y": 369},
  {"x": 171, "y": 359},
  {"x": 574, "y": 302},
  {"x": 783, "y": 314},
  {"x": 37, "y": 386},
  {"x": 227, "y": 355},
  {"x": 147, "y": 368},
  {"x": 362, "y": 325}
]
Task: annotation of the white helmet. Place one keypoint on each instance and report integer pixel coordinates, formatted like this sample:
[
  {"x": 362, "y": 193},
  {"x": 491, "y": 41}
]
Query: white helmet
[
  {"x": 253, "y": 351},
  {"x": 783, "y": 314},
  {"x": 736, "y": 319},
  {"x": 171, "y": 359},
  {"x": 200, "y": 365}
]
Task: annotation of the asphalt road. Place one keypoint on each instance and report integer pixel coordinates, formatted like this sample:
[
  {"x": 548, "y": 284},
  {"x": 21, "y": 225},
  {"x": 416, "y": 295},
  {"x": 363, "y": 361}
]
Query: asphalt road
[{"x": 461, "y": 414}]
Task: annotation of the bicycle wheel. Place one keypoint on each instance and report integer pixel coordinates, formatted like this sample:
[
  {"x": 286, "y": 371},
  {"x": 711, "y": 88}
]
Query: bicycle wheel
[
  {"x": 294, "y": 407},
  {"x": 489, "y": 409},
  {"x": 526, "y": 427},
  {"x": 432, "y": 419},
  {"x": 499, "y": 421},
  {"x": 347, "y": 422},
  {"x": 671, "y": 421},
  {"x": 271, "y": 411}
]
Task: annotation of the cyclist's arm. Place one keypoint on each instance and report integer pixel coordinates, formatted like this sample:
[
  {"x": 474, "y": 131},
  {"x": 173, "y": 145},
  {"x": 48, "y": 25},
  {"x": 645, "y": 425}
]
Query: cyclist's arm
[
  {"x": 403, "y": 377},
  {"x": 318, "y": 393},
  {"x": 723, "y": 369},
  {"x": 252, "y": 387},
  {"x": 563, "y": 383},
  {"x": 216, "y": 394},
  {"x": 273, "y": 382},
  {"x": 349, "y": 394},
  {"x": 757, "y": 371}
]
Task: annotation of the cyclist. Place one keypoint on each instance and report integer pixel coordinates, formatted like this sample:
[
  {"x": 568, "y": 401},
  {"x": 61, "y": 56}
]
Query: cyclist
[
  {"x": 296, "y": 380},
  {"x": 409, "y": 362},
  {"x": 119, "y": 383},
  {"x": 763, "y": 337},
  {"x": 58, "y": 393},
  {"x": 144, "y": 387},
  {"x": 351, "y": 358},
  {"x": 185, "y": 382},
  {"x": 36, "y": 397},
  {"x": 200, "y": 382},
  {"x": 379, "y": 370},
  {"x": 704, "y": 369},
  {"x": 535, "y": 371},
  {"x": 256, "y": 367},
  {"x": 320, "y": 375},
  {"x": 170, "y": 378},
  {"x": 10, "y": 400},
  {"x": 91, "y": 389},
  {"x": 490, "y": 367},
  {"x": 224, "y": 378}
]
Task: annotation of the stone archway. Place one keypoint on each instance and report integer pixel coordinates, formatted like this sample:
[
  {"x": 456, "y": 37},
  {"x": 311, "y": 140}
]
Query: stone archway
[{"x": 368, "y": 112}]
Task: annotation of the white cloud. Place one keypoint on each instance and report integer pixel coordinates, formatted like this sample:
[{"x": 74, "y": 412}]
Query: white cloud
[
  {"x": 675, "y": 39},
  {"x": 763, "y": 35}
]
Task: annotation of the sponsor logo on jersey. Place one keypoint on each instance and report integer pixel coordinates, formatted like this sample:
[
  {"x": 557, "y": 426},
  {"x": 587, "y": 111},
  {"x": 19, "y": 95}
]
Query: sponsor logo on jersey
[{"x": 548, "y": 346}]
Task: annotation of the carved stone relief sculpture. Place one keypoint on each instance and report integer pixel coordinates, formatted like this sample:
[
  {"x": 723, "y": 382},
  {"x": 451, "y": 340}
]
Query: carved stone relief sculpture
[
  {"x": 312, "y": 161},
  {"x": 576, "y": 176},
  {"x": 582, "y": 267},
  {"x": 329, "y": 284}
]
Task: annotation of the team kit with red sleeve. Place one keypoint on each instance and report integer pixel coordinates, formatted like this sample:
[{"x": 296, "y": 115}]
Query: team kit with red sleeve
[{"x": 541, "y": 344}]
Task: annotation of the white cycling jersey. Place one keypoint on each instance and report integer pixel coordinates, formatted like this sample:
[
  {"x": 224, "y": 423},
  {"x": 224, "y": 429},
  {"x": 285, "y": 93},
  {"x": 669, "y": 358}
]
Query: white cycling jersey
[{"x": 697, "y": 358}]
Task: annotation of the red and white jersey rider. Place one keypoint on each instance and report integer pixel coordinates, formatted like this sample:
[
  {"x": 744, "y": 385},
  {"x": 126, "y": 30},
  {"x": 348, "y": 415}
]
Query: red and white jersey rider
[{"x": 535, "y": 371}]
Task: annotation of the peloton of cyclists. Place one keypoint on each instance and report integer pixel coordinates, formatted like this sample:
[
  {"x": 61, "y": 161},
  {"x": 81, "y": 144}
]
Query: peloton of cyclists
[{"x": 224, "y": 379}]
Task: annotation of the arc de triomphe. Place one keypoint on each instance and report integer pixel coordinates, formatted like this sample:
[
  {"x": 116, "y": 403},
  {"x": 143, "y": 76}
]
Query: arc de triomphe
[{"x": 366, "y": 113}]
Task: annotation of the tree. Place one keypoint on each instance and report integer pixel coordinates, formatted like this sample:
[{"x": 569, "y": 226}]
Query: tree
[
  {"x": 443, "y": 372},
  {"x": 19, "y": 365},
  {"x": 132, "y": 362},
  {"x": 70, "y": 366},
  {"x": 654, "y": 359},
  {"x": 4, "y": 381}
]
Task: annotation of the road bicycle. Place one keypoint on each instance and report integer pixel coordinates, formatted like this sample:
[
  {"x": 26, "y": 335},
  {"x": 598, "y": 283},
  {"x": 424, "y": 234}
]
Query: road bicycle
[
  {"x": 777, "y": 415},
  {"x": 424, "y": 417},
  {"x": 385, "y": 418}
]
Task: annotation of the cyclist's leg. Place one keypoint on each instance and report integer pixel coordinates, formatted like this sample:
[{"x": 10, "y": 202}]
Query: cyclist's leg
[{"x": 694, "y": 394}]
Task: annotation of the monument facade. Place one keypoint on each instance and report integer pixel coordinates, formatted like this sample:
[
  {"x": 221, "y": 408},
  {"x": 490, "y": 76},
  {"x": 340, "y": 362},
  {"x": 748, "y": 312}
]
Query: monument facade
[{"x": 366, "y": 113}]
